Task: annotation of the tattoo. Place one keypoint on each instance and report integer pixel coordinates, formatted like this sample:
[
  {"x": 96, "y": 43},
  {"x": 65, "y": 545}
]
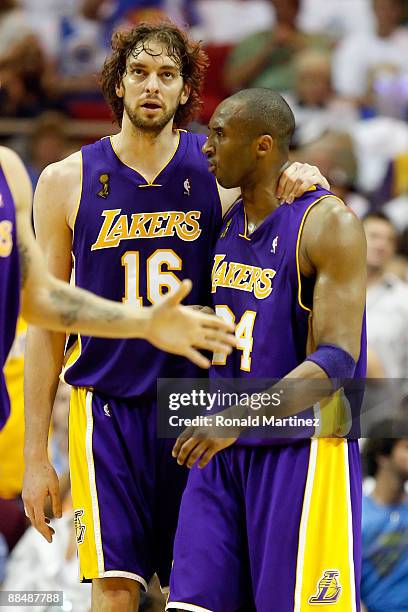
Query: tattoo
[
  {"x": 24, "y": 257},
  {"x": 73, "y": 306}
]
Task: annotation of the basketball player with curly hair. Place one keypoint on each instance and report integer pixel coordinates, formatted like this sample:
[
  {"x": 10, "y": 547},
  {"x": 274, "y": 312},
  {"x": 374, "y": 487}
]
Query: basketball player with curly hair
[{"x": 140, "y": 212}]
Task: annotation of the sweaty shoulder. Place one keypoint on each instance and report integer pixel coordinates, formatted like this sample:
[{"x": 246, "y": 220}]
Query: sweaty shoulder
[
  {"x": 331, "y": 229},
  {"x": 59, "y": 186}
]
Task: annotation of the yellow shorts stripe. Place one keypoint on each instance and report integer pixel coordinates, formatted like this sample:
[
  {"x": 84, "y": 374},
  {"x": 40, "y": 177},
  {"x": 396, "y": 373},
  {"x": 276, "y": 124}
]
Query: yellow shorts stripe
[
  {"x": 83, "y": 486},
  {"x": 325, "y": 565}
]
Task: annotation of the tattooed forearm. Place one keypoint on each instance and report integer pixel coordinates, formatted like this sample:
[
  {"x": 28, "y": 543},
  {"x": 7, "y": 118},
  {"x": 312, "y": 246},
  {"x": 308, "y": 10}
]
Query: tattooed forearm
[
  {"x": 73, "y": 305},
  {"x": 24, "y": 257}
]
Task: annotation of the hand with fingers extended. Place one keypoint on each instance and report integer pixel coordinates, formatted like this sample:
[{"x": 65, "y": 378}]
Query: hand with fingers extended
[
  {"x": 182, "y": 329},
  {"x": 298, "y": 178},
  {"x": 41, "y": 482}
]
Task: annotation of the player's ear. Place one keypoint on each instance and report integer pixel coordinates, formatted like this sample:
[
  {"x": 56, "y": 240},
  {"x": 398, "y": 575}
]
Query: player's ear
[
  {"x": 185, "y": 94},
  {"x": 120, "y": 92},
  {"x": 265, "y": 144}
]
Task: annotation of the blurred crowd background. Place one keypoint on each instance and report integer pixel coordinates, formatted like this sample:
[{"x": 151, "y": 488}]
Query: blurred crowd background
[{"x": 343, "y": 67}]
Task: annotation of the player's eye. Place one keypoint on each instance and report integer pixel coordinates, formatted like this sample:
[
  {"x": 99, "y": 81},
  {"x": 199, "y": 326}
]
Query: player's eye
[
  {"x": 137, "y": 71},
  {"x": 168, "y": 75}
]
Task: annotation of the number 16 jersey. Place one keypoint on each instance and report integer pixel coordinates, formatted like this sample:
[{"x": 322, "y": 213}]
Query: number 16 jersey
[{"x": 133, "y": 241}]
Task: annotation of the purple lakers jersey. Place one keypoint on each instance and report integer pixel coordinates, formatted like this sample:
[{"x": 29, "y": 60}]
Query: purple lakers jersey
[
  {"x": 256, "y": 283},
  {"x": 133, "y": 242},
  {"x": 9, "y": 286}
]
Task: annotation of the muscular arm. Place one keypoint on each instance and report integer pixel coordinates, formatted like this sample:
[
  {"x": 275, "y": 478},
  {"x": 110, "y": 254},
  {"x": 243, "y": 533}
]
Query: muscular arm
[
  {"x": 53, "y": 206},
  {"x": 333, "y": 250}
]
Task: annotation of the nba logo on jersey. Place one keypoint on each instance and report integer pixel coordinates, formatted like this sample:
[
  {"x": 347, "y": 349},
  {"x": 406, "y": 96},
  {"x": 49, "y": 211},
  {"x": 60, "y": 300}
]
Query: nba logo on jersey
[
  {"x": 187, "y": 187},
  {"x": 328, "y": 589},
  {"x": 79, "y": 527},
  {"x": 274, "y": 244}
]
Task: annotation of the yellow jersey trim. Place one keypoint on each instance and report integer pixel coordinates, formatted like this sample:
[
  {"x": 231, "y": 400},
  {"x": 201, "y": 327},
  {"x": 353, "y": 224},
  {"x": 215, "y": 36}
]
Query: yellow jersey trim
[
  {"x": 92, "y": 482},
  {"x": 245, "y": 234},
  {"x": 300, "y": 230},
  {"x": 83, "y": 484},
  {"x": 152, "y": 182},
  {"x": 307, "y": 498},
  {"x": 80, "y": 195},
  {"x": 330, "y": 532}
]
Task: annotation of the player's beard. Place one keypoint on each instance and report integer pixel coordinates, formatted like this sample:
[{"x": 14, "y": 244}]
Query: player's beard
[{"x": 151, "y": 126}]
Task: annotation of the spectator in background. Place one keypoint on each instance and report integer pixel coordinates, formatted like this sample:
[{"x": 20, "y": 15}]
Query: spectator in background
[
  {"x": 47, "y": 143},
  {"x": 314, "y": 104},
  {"x": 387, "y": 298},
  {"x": 395, "y": 186},
  {"x": 399, "y": 266},
  {"x": 337, "y": 17},
  {"x": 334, "y": 152},
  {"x": 384, "y": 580},
  {"x": 24, "y": 77},
  {"x": 265, "y": 59},
  {"x": 376, "y": 62},
  {"x": 14, "y": 27}
]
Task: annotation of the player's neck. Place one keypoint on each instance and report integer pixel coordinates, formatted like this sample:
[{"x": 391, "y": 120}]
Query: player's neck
[
  {"x": 145, "y": 152},
  {"x": 389, "y": 489},
  {"x": 259, "y": 196}
]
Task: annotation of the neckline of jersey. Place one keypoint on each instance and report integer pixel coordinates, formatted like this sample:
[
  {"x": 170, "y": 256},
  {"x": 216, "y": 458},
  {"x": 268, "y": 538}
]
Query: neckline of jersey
[
  {"x": 166, "y": 166},
  {"x": 264, "y": 223}
]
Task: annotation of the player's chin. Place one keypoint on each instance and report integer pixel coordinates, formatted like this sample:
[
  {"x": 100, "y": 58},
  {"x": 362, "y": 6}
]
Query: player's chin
[{"x": 225, "y": 181}]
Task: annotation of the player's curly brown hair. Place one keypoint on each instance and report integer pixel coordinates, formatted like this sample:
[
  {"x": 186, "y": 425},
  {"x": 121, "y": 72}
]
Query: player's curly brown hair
[{"x": 189, "y": 55}]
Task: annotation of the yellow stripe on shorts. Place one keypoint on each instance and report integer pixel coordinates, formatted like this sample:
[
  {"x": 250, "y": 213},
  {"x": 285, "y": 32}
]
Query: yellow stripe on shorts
[
  {"x": 83, "y": 486},
  {"x": 325, "y": 566}
]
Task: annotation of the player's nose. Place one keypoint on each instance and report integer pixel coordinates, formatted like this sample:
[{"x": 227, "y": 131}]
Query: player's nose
[
  {"x": 207, "y": 147},
  {"x": 152, "y": 83}
]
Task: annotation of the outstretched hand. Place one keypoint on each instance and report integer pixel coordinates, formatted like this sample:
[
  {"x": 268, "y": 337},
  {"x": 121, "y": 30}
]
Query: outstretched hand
[{"x": 182, "y": 330}]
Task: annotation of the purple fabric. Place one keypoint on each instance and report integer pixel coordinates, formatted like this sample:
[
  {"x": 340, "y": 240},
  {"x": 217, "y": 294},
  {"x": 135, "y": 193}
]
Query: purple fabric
[
  {"x": 281, "y": 325},
  {"x": 236, "y": 544},
  {"x": 130, "y": 368},
  {"x": 9, "y": 286},
  {"x": 356, "y": 509},
  {"x": 336, "y": 362},
  {"x": 139, "y": 488},
  {"x": 237, "y": 538}
]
